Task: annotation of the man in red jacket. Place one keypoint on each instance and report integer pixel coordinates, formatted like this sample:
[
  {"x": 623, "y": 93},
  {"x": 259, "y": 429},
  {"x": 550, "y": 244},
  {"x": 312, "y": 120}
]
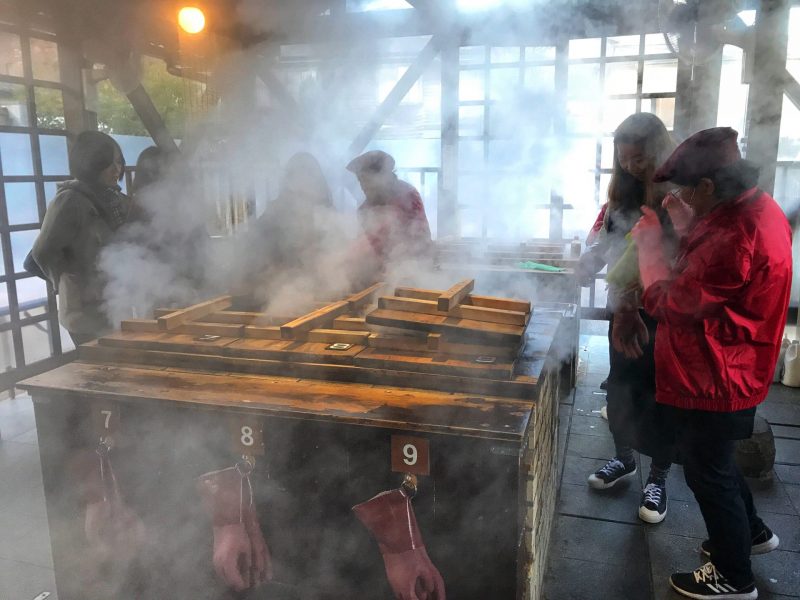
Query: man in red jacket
[
  {"x": 392, "y": 215},
  {"x": 721, "y": 310}
]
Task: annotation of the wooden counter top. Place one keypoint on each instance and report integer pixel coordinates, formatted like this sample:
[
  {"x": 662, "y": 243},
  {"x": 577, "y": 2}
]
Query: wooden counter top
[{"x": 349, "y": 403}]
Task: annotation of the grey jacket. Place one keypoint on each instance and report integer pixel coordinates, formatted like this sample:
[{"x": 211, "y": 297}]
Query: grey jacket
[{"x": 78, "y": 224}]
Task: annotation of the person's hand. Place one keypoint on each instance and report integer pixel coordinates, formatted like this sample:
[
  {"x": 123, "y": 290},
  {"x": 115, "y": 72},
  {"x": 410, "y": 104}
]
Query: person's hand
[
  {"x": 680, "y": 213},
  {"x": 629, "y": 334}
]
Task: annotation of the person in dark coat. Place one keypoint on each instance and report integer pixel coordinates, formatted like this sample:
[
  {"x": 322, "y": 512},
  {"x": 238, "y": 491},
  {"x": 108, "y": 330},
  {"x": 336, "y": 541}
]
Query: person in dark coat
[
  {"x": 721, "y": 308},
  {"x": 641, "y": 143},
  {"x": 81, "y": 220}
]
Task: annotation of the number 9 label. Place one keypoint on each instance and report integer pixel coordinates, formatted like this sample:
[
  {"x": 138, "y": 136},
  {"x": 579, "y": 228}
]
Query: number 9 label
[{"x": 410, "y": 455}]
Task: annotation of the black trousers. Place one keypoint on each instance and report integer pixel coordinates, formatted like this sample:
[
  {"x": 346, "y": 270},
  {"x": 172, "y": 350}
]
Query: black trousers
[
  {"x": 707, "y": 444},
  {"x": 631, "y": 397}
]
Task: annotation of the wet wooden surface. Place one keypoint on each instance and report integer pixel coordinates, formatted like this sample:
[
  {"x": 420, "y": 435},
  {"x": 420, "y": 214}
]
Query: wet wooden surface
[{"x": 380, "y": 406}]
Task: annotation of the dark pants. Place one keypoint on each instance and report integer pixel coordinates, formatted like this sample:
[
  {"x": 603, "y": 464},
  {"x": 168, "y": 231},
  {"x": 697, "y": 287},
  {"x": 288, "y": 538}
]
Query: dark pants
[
  {"x": 707, "y": 445},
  {"x": 631, "y": 397}
]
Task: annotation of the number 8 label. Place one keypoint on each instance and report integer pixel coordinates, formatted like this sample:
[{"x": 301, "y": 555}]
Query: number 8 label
[
  {"x": 410, "y": 455},
  {"x": 247, "y": 435}
]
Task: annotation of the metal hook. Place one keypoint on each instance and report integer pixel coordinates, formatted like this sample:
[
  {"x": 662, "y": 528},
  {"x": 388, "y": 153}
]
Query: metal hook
[{"x": 410, "y": 484}]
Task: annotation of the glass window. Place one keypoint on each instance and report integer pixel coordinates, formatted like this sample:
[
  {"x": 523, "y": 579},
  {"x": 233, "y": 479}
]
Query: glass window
[
  {"x": 654, "y": 43},
  {"x": 789, "y": 144},
  {"x": 36, "y": 341},
  {"x": 607, "y": 154},
  {"x": 663, "y": 108},
  {"x": 50, "y": 190},
  {"x": 540, "y": 53},
  {"x": 732, "y": 106},
  {"x": 470, "y": 155},
  {"x": 584, "y": 81},
  {"x": 470, "y": 120},
  {"x": 586, "y": 48},
  {"x": 541, "y": 78},
  {"x": 11, "y": 53},
  {"x": 505, "y": 54},
  {"x": 615, "y": 111},
  {"x": 15, "y": 153},
  {"x": 793, "y": 47},
  {"x": 621, "y": 77},
  {"x": 472, "y": 55},
  {"x": 21, "y": 203},
  {"x": 660, "y": 76},
  {"x": 582, "y": 116},
  {"x": 21, "y": 244},
  {"x": 504, "y": 153},
  {"x": 49, "y": 108},
  {"x": 471, "y": 86},
  {"x": 504, "y": 83},
  {"x": 624, "y": 45},
  {"x": 54, "y": 154},
  {"x": 32, "y": 290},
  {"x": 13, "y": 104},
  {"x": 44, "y": 58},
  {"x": 7, "y": 357}
]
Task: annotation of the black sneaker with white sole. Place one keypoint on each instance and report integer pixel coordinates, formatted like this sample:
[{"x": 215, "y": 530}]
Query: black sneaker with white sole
[
  {"x": 653, "y": 505},
  {"x": 611, "y": 473},
  {"x": 764, "y": 542},
  {"x": 707, "y": 582}
]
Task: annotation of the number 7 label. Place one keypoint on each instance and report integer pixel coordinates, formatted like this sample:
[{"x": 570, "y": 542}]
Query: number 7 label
[
  {"x": 410, "y": 455},
  {"x": 106, "y": 419}
]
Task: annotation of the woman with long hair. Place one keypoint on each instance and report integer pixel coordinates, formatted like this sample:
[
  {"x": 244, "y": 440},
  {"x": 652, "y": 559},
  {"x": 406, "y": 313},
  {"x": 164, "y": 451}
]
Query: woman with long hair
[{"x": 641, "y": 144}]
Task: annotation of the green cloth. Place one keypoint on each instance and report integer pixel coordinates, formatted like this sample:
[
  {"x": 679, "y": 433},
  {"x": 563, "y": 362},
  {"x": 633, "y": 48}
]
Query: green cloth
[
  {"x": 625, "y": 274},
  {"x": 534, "y": 266}
]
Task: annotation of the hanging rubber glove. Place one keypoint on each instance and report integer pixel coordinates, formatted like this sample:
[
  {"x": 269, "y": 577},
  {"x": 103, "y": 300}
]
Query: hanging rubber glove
[
  {"x": 261, "y": 568},
  {"x": 680, "y": 213},
  {"x": 226, "y": 495},
  {"x": 391, "y": 520},
  {"x": 649, "y": 236},
  {"x": 113, "y": 530}
]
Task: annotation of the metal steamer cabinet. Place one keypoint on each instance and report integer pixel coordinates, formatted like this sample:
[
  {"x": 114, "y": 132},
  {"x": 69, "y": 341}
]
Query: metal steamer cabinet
[{"x": 334, "y": 428}]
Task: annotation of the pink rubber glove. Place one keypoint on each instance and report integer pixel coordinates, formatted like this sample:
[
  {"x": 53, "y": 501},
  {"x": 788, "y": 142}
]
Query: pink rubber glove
[
  {"x": 261, "y": 568},
  {"x": 680, "y": 213},
  {"x": 391, "y": 520},
  {"x": 648, "y": 235},
  {"x": 223, "y": 493},
  {"x": 233, "y": 555}
]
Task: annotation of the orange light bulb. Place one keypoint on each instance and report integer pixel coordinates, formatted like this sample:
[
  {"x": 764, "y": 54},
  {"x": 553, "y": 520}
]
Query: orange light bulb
[{"x": 191, "y": 19}]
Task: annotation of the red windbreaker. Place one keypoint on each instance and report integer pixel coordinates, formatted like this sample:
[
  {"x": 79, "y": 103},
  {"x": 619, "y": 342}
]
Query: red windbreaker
[
  {"x": 722, "y": 314},
  {"x": 400, "y": 228}
]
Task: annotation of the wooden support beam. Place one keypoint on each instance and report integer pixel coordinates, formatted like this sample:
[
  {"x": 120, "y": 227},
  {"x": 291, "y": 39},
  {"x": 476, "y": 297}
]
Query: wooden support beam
[
  {"x": 140, "y": 326},
  {"x": 184, "y": 315},
  {"x": 151, "y": 119},
  {"x": 486, "y": 301},
  {"x": 453, "y": 297},
  {"x": 350, "y": 323},
  {"x": 364, "y": 297},
  {"x": 392, "y": 101},
  {"x": 334, "y": 336},
  {"x": 263, "y": 333},
  {"x": 313, "y": 320},
  {"x": 477, "y": 313},
  {"x": 792, "y": 89},
  {"x": 221, "y": 329}
]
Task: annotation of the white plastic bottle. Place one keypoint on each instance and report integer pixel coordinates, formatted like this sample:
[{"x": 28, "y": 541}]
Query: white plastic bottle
[
  {"x": 791, "y": 365},
  {"x": 781, "y": 358}
]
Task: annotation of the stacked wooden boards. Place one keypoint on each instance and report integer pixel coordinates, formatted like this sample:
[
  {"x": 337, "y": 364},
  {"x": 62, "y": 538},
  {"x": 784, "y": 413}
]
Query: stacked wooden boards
[{"x": 435, "y": 339}]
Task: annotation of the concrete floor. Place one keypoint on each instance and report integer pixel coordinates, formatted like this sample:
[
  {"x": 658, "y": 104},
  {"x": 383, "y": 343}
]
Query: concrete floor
[{"x": 600, "y": 549}]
